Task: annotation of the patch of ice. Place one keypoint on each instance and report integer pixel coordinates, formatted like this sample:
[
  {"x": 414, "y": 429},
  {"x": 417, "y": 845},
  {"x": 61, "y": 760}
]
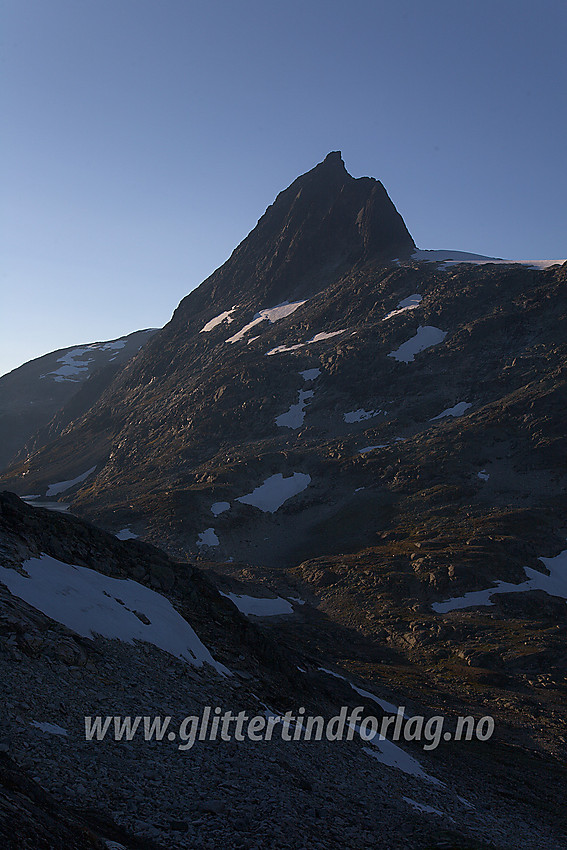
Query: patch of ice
[
  {"x": 90, "y": 603},
  {"x": 62, "y": 486},
  {"x": 217, "y": 320},
  {"x": 310, "y": 374},
  {"x": 555, "y": 584},
  {"x": 50, "y": 728},
  {"x": 456, "y": 410},
  {"x": 425, "y": 337},
  {"x": 421, "y": 807},
  {"x": 293, "y": 418},
  {"x": 219, "y": 508},
  {"x": 483, "y": 475},
  {"x": 360, "y": 415},
  {"x": 208, "y": 538},
  {"x": 409, "y": 303},
  {"x": 271, "y": 314},
  {"x": 126, "y": 534},
  {"x": 259, "y": 606},
  {"x": 276, "y": 490}
]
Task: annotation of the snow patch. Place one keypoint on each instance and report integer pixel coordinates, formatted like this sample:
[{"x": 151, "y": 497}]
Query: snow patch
[
  {"x": 271, "y": 314},
  {"x": 276, "y": 490},
  {"x": 293, "y": 418},
  {"x": 453, "y": 258},
  {"x": 219, "y": 508},
  {"x": 384, "y": 704},
  {"x": 310, "y": 374},
  {"x": 555, "y": 584},
  {"x": 421, "y": 807},
  {"x": 62, "y": 486},
  {"x": 409, "y": 303},
  {"x": 360, "y": 415},
  {"x": 483, "y": 475},
  {"x": 456, "y": 410},
  {"x": 208, "y": 538},
  {"x": 50, "y": 728},
  {"x": 425, "y": 337},
  {"x": 388, "y": 753},
  {"x": 218, "y": 320},
  {"x": 126, "y": 534},
  {"x": 317, "y": 338},
  {"x": 90, "y": 603},
  {"x": 259, "y": 606}
]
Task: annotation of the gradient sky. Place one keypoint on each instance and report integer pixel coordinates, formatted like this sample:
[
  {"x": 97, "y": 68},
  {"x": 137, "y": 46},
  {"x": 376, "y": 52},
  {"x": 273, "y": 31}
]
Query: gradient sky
[{"x": 144, "y": 138}]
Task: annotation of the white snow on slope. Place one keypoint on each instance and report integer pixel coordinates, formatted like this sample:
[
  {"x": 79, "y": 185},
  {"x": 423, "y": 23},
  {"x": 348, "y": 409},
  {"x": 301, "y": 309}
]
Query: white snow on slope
[
  {"x": 276, "y": 490},
  {"x": 208, "y": 538},
  {"x": 259, "y": 606},
  {"x": 111, "y": 346},
  {"x": 271, "y": 314},
  {"x": 279, "y": 349},
  {"x": 217, "y": 320},
  {"x": 456, "y": 410},
  {"x": 293, "y": 418},
  {"x": 310, "y": 374},
  {"x": 425, "y": 337},
  {"x": 384, "y": 704},
  {"x": 49, "y": 728},
  {"x": 360, "y": 415},
  {"x": 62, "y": 486},
  {"x": 126, "y": 534},
  {"x": 483, "y": 475},
  {"x": 219, "y": 508},
  {"x": 555, "y": 584},
  {"x": 90, "y": 603},
  {"x": 409, "y": 303}
]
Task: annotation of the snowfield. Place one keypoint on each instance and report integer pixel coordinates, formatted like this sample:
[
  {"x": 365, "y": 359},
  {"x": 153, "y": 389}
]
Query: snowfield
[
  {"x": 90, "y": 603},
  {"x": 276, "y": 490}
]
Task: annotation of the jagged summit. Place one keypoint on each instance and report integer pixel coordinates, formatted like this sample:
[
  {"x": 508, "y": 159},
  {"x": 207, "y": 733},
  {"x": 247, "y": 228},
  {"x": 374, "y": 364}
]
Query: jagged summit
[{"x": 325, "y": 222}]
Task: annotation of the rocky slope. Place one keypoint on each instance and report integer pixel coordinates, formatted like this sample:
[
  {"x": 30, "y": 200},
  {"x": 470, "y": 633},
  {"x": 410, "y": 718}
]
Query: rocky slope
[
  {"x": 46, "y": 394},
  {"x": 58, "y": 789}
]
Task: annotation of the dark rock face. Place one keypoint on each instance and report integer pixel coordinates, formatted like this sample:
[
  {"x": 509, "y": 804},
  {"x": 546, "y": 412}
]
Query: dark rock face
[{"x": 321, "y": 225}]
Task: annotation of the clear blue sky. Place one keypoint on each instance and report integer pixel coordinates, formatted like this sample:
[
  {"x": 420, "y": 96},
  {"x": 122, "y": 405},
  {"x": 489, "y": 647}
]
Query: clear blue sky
[{"x": 144, "y": 138}]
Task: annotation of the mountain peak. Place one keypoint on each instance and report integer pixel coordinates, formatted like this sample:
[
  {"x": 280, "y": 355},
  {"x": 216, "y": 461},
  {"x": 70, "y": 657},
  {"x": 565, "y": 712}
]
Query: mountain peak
[{"x": 325, "y": 223}]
